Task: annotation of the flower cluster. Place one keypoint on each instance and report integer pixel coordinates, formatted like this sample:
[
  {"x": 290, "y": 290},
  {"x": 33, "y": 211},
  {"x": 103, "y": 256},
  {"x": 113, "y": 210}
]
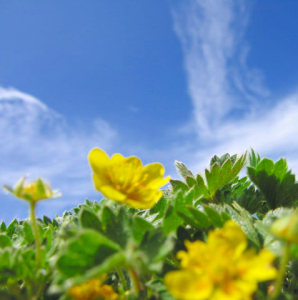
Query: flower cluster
[
  {"x": 125, "y": 179},
  {"x": 93, "y": 289},
  {"x": 221, "y": 268}
]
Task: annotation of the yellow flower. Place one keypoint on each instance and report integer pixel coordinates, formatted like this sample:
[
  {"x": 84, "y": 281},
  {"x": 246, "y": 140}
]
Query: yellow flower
[
  {"x": 32, "y": 191},
  {"x": 286, "y": 228},
  {"x": 125, "y": 179},
  {"x": 93, "y": 289},
  {"x": 221, "y": 268}
]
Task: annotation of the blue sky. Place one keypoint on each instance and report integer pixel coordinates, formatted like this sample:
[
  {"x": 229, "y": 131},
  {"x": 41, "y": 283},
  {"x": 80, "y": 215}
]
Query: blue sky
[{"x": 162, "y": 80}]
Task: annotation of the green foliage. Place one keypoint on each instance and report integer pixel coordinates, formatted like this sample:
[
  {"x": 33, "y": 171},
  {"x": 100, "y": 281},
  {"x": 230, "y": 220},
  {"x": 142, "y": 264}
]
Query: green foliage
[
  {"x": 275, "y": 181},
  {"x": 104, "y": 237},
  {"x": 222, "y": 171}
]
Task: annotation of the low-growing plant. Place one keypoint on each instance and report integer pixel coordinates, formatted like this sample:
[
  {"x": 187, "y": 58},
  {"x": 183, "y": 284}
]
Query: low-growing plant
[{"x": 214, "y": 235}]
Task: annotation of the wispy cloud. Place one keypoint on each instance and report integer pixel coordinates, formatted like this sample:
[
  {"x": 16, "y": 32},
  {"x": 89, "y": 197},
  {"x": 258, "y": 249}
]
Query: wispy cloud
[
  {"x": 38, "y": 141},
  {"x": 232, "y": 107}
]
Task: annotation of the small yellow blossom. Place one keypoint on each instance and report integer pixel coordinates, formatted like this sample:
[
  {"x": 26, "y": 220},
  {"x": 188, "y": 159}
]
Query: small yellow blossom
[
  {"x": 32, "y": 191},
  {"x": 221, "y": 268},
  {"x": 286, "y": 228},
  {"x": 93, "y": 289},
  {"x": 126, "y": 180}
]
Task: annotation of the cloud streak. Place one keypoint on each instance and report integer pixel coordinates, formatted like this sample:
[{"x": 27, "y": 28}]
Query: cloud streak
[
  {"x": 39, "y": 142},
  {"x": 232, "y": 107}
]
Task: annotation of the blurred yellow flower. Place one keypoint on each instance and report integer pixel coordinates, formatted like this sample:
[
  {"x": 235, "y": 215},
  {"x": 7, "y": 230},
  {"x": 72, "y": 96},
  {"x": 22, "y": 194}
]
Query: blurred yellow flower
[
  {"x": 93, "y": 289},
  {"x": 221, "y": 268},
  {"x": 32, "y": 191},
  {"x": 286, "y": 228},
  {"x": 125, "y": 179}
]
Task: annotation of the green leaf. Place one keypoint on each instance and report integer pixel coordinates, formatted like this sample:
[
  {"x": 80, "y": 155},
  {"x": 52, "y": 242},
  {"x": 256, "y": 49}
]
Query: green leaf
[
  {"x": 156, "y": 246},
  {"x": 5, "y": 241},
  {"x": 11, "y": 227},
  {"x": 46, "y": 220},
  {"x": 140, "y": 227},
  {"x": 171, "y": 220},
  {"x": 252, "y": 200},
  {"x": 88, "y": 219},
  {"x": 158, "y": 210},
  {"x": 253, "y": 158},
  {"x": 2, "y": 226},
  {"x": 178, "y": 185},
  {"x": 115, "y": 260},
  {"x": 116, "y": 228},
  {"x": 190, "y": 181},
  {"x": 201, "y": 188},
  {"x": 245, "y": 220},
  {"x": 214, "y": 216},
  {"x": 275, "y": 182},
  {"x": 222, "y": 172},
  {"x": 188, "y": 220},
  {"x": 183, "y": 170},
  {"x": 88, "y": 249},
  {"x": 201, "y": 219},
  {"x": 28, "y": 234}
]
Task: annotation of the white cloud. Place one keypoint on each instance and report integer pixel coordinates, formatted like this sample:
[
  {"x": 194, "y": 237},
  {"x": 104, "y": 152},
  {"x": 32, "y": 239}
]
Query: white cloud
[
  {"x": 39, "y": 142},
  {"x": 232, "y": 110},
  {"x": 11, "y": 94}
]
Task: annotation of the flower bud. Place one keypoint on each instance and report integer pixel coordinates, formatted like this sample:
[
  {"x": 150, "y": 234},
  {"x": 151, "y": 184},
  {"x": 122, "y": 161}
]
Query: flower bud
[
  {"x": 32, "y": 191},
  {"x": 286, "y": 228}
]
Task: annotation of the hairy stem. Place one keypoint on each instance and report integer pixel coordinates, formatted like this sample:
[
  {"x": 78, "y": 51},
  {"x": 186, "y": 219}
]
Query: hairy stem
[
  {"x": 281, "y": 272},
  {"x": 135, "y": 280},
  {"x": 36, "y": 233}
]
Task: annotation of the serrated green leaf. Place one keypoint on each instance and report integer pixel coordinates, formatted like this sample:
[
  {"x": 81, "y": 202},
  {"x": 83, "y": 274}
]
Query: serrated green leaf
[
  {"x": 201, "y": 188},
  {"x": 88, "y": 219},
  {"x": 201, "y": 219},
  {"x": 116, "y": 227},
  {"x": 190, "y": 181},
  {"x": 244, "y": 219},
  {"x": 171, "y": 220},
  {"x": 183, "y": 170},
  {"x": 214, "y": 216},
  {"x": 188, "y": 220},
  {"x": 156, "y": 246},
  {"x": 253, "y": 158},
  {"x": 178, "y": 185},
  {"x": 140, "y": 226},
  {"x": 266, "y": 165},
  {"x": 275, "y": 182},
  {"x": 222, "y": 173}
]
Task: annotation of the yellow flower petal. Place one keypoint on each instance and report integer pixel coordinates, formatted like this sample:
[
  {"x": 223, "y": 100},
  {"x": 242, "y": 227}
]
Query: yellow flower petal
[
  {"x": 98, "y": 159},
  {"x": 223, "y": 261},
  {"x": 187, "y": 285},
  {"x": 117, "y": 158},
  {"x": 144, "y": 200},
  {"x": 126, "y": 180},
  {"x": 231, "y": 235},
  {"x": 111, "y": 193},
  {"x": 134, "y": 161}
]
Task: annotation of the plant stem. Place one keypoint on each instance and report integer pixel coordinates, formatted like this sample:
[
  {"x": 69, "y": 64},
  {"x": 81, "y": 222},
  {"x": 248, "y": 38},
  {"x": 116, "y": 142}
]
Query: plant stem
[
  {"x": 281, "y": 272},
  {"x": 36, "y": 234},
  {"x": 122, "y": 278},
  {"x": 135, "y": 280}
]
